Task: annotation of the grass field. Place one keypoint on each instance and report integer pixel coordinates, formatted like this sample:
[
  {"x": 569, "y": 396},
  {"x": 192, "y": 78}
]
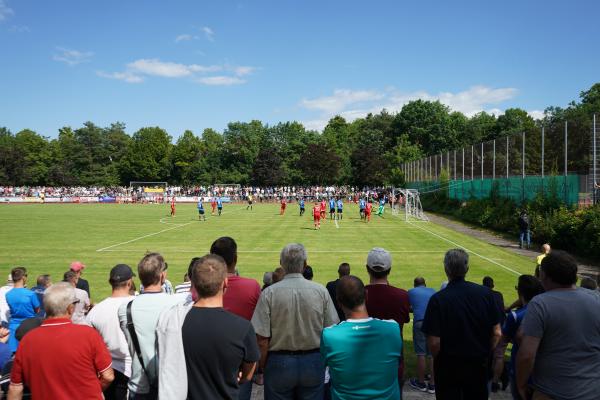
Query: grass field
[{"x": 46, "y": 238}]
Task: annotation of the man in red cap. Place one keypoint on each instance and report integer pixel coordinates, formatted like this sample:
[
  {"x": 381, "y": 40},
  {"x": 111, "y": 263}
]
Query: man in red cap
[{"x": 77, "y": 267}]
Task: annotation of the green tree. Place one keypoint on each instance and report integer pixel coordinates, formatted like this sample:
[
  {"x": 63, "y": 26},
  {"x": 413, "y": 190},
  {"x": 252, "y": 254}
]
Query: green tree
[
  {"x": 319, "y": 164},
  {"x": 185, "y": 156},
  {"x": 148, "y": 156},
  {"x": 32, "y": 158},
  {"x": 7, "y": 157}
]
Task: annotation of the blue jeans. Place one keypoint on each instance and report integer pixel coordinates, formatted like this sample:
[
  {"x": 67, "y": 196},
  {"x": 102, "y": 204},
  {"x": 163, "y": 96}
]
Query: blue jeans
[
  {"x": 245, "y": 392},
  {"x": 298, "y": 377},
  {"x": 525, "y": 235}
]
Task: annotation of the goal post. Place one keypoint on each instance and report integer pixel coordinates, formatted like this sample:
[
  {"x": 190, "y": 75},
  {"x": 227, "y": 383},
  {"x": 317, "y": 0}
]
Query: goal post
[
  {"x": 409, "y": 204},
  {"x": 148, "y": 192}
]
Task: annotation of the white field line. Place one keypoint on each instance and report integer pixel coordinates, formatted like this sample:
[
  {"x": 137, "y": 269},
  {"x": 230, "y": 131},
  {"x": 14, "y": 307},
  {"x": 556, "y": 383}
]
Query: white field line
[
  {"x": 279, "y": 251},
  {"x": 143, "y": 237},
  {"x": 470, "y": 251}
]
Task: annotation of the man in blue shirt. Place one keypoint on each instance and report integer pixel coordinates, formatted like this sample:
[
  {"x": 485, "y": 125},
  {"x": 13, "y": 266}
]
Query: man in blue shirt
[
  {"x": 219, "y": 205},
  {"x": 528, "y": 287},
  {"x": 43, "y": 283},
  {"x": 301, "y": 203},
  {"x": 201, "y": 214},
  {"x": 362, "y": 353},
  {"x": 362, "y": 204},
  {"x": 340, "y": 208},
  {"x": 419, "y": 299},
  {"x": 331, "y": 208}
]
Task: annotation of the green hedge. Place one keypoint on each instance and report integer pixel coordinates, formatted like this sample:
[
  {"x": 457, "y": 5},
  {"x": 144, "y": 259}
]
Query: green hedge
[{"x": 577, "y": 231}]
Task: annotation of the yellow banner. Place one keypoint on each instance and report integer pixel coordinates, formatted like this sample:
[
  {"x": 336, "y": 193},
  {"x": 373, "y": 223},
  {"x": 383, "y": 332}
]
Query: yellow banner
[{"x": 154, "y": 190}]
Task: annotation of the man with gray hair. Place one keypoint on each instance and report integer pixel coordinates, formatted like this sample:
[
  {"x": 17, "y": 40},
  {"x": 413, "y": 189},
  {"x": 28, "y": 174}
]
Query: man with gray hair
[
  {"x": 288, "y": 321},
  {"x": 462, "y": 328},
  {"x": 61, "y": 360}
]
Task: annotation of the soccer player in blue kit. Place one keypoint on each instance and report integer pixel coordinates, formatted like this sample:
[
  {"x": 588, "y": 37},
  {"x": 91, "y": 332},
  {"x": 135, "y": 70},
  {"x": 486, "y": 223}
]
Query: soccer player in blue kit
[
  {"x": 340, "y": 208},
  {"x": 332, "y": 208},
  {"x": 219, "y": 205},
  {"x": 201, "y": 214},
  {"x": 301, "y": 204},
  {"x": 362, "y": 204}
]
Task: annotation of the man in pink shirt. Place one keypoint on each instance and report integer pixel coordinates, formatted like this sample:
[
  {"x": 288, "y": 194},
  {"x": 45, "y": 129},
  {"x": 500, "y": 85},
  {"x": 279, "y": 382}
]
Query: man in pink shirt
[{"x": 241, "y": 294}]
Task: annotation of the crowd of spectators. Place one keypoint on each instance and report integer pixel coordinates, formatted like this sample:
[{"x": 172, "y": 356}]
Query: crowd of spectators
[
  {"x": 216, "y": 333},
  {"x": 234, "y": 192}
]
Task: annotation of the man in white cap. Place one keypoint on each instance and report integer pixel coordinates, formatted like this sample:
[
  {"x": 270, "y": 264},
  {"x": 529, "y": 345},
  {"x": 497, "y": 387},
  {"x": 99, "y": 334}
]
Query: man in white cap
[
  {"x": 385, "y": 301},
  {"x": 77, "y": 267}
]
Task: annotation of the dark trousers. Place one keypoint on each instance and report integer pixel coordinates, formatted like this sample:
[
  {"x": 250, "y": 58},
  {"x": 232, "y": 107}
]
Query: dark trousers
[
  {"x": 458, "y": 378},
  {"x": 118, "y": 388},
  {"x": 297, "y": 377}
]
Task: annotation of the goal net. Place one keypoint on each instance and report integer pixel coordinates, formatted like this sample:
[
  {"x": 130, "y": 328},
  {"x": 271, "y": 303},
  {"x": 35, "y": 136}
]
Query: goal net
[
  {"x": 409, "y": 204},
  {"x": 148, "y": 192}
]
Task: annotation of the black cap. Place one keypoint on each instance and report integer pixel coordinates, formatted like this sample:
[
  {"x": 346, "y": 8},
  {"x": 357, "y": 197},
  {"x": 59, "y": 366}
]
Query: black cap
[{"x": 121, "y": 273}]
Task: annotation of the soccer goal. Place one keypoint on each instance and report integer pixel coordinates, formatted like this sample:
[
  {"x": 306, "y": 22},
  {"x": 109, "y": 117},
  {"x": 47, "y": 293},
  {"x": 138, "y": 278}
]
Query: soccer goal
[
  {"x": 148, "y": 192},
  {"x": 409, "y": 202}
]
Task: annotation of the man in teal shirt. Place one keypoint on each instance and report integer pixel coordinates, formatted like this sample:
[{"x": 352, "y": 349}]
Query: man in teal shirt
[{"x": 362, "y": 353}]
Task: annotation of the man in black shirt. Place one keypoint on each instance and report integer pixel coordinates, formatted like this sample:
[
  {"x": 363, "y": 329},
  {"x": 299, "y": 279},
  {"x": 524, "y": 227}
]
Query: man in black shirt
[
  {"x": 462, "y": 328},
  {"x": 218, "y": 345},
  {"x": 343, "y": 270}
]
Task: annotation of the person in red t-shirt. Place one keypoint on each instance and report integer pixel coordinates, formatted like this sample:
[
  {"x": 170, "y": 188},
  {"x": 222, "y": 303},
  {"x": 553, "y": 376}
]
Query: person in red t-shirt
[
  {"x": 368, "y": 210},
  {"x": 213, "y": 205},
  {"x": 241, "y": 295},
  {"x": 317, "y": 215},
  {"x": 61, "y": 360},
  {"x": 323, "y": 209},
  {"x": 283, "y": 204},
  {"x": 385, "y": 301},
  {"x": 173, "y": 206}
]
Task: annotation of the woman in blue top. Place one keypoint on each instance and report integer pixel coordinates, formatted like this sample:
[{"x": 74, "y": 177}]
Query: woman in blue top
[{"x": 23, "y": 303}]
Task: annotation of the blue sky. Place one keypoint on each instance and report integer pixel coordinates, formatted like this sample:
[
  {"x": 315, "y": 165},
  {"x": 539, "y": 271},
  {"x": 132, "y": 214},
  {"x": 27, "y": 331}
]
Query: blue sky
[{"x": 191, "y": 64}]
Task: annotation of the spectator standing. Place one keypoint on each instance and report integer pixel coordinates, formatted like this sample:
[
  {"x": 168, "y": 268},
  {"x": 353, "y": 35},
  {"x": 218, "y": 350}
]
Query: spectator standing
[
  {"x": 419, "y": 299},
  {"x": 545, "y": 251},
  {"x": 278, "y": 275},
  {"x": 498, "y": 355},
  {"x": 528, "y": 287},
  {"x": 185, "y": 286},
  {"x": 288, "y": 321},
  {"x": 78, "y": 267},
  {"x": 22, "y": 303},
  {"x": 462, "y": 328},
  {"x": 343, "y": 270},
  {"x": 228, "y": 346},
  {"x": 139, "y": 325},
  {"x": 105, "y": 319},
  {"x": 560, "y": 349},
  {"x": 43, "y": 283},
  {"x": 524, "y": 232},
  {"x": 308, "y": 273},
  {"x": 83, "y": 305},
  {"x": 588, "y": 283},
  {"x": 385, "y": 301},
  {"x": 267, "y": 279},
  {"x": 241, "y": 295},
  {"x": 61, "y": 360},
  {"x": 362, "y": 353},
  {"x": 4, "y": 309}
]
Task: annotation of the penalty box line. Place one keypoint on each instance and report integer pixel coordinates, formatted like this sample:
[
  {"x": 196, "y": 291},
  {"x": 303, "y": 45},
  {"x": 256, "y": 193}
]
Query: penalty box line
[
  {"x": 142, "y": 237},
  {"x": 467, "y": 250}
]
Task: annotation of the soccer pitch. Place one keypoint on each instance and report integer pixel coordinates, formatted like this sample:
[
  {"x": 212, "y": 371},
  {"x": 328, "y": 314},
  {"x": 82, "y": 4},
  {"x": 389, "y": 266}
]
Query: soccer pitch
[{"x": 46, "y": 238}]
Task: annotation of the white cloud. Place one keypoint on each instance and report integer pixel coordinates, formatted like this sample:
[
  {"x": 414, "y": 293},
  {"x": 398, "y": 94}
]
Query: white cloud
[
  {"x": 221, "y": 80},
  {"x": 208, "y": 33},
  {"x": 536, "y": 114},
  {"x": 72, "y": 57},
  {"x": 126, "y": 76},
  {"x": 5, "y": 11},
  {"x": 136, "y": 71},
  {"x": 352, "y": 104},
  {"x": 184, "y": 37}
]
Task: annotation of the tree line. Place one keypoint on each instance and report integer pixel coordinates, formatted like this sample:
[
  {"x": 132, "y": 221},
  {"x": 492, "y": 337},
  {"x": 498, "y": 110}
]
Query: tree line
[{"x": 366, "y": 151}]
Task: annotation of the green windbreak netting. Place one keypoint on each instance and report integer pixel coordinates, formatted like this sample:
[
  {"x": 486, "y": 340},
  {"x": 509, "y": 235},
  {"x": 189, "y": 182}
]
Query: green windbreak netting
[{"x": 517, "y": 188}]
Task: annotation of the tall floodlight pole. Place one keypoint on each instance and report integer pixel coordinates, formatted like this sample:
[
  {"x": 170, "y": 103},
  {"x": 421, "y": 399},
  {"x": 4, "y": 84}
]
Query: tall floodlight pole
[
  {"x": 471, "y": 162},
  {"x": 494, "y": 162},
  {"x": 507, "y": 158},
  {"x": 566, "y": 157},
  {"x": 463, "y": 163},
  {"x": 542, "y": 155},
  {"x": 595, "y": 191},
  {"x": 454, "y": 164},
  {"x": 481, "y": 160},
  {"x": 523, "y": 157}
]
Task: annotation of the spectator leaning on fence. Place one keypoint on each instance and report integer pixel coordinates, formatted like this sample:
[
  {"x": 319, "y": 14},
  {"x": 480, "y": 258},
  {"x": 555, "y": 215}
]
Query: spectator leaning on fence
[
  {"x": 560, "y": 349},
  {"x": 61, "y": 360},
  {"x": 462, "y": 328},
  {"x": 362, "y": 353},
  {"x": 288, "y": 320}
]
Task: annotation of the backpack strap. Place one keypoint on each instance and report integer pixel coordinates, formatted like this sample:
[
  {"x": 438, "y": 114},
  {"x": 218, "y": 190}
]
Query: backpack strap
[{"x": 134, "y": 339}]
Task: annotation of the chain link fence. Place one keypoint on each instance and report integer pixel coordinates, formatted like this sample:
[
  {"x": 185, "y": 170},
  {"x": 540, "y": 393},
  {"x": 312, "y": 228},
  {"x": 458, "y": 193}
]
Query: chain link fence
[{"x": 559, "y": 159}]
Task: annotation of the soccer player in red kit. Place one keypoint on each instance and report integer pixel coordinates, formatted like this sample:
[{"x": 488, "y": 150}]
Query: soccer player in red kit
[
  {"x": 317, "y": 215},
  {"x": 213, "y": 205},
  {"x": 368, "y": 210},
  {"x": 323, "y": 209},
  {"x": 283, "y": 205},
  {"x": 173, "y": 206}
]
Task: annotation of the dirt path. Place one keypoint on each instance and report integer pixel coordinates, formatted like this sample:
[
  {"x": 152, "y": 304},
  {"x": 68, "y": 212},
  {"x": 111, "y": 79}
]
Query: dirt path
[{"x": 501, "y": 241}]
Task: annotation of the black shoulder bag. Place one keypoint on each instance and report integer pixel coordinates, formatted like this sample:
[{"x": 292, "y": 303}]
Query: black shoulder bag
[{"x": 136, "y": 345}]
